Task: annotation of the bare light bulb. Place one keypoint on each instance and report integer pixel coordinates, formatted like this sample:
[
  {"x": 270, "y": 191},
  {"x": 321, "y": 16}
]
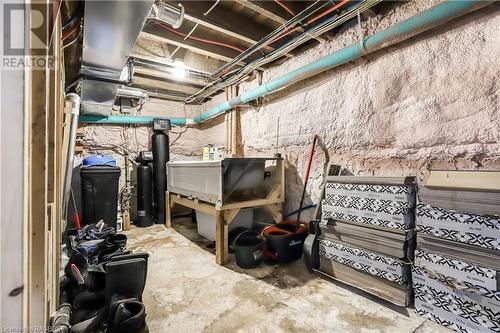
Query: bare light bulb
[{"x": 179, "y": 69}]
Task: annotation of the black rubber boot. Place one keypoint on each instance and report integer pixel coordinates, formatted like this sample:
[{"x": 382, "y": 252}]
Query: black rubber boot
[{"x": 129, "y": 317}]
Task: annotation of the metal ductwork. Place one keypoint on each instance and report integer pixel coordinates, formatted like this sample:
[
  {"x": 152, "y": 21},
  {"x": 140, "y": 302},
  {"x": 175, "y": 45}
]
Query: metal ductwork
[
  {"x": 110, "y": 31},
  {"x": 132, "y": 93},
  {"x": 168, "y": 14}
]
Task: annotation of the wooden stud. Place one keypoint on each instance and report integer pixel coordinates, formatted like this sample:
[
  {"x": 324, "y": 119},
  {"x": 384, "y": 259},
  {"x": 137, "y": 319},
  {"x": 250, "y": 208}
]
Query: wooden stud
[
  {"x": 221, "y": 238},
  {"x": 190, "y": 203},
  {"x": 250, "y": 203},
  {"x": 168, "y": 213},
  {"x": 230, "y": 214},
  {"x": 126, "y": 220},
  {"x": 280, "y": 176}
]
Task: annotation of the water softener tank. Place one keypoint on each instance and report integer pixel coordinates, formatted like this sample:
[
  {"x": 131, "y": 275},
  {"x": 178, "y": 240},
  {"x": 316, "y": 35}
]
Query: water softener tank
[
  {"x": 161, "y": 156},
  {"x": 144, "y": 190}
]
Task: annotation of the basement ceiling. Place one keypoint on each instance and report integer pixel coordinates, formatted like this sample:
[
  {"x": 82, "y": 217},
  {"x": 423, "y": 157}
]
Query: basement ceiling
[{"x": 213, "y": 33}]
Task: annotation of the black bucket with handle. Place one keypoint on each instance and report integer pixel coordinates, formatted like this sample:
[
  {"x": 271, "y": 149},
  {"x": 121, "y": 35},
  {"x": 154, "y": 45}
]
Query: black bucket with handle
[{"x": 248, "y": 248}]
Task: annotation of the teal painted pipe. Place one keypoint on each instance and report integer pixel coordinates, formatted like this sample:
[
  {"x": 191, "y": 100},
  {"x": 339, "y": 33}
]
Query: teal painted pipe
[
  {"x": 422, "y": 22},
  {"x": 120, "y": 120}
]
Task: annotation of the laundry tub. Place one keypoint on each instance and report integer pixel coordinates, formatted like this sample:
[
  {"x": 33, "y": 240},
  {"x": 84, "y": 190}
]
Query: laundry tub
[{"x": 217, "y": 182}]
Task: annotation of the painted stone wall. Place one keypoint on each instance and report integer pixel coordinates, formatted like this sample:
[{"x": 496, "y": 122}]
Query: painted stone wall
[
  {"x": 138, "y": 138},
  {"x": 431, "y": 101}
]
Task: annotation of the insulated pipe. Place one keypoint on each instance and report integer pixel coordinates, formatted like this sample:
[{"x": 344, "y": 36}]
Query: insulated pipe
[
  {"x": 428, "y": 19},
  {"x": 73, "y": 103}
]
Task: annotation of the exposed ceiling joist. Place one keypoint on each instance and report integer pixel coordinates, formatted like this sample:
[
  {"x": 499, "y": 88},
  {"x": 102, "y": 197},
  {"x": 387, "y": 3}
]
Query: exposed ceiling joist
[
  {"x": 161, "y": 61},
  {"x": 225, "y": 18},
  {"x": 168, "y": 76},
  {"x": 234, "y": 32},
  {"x": 184, "y": 44},
  {"x": 155, "y": 82},
  {"x": 261, "y": 7}
]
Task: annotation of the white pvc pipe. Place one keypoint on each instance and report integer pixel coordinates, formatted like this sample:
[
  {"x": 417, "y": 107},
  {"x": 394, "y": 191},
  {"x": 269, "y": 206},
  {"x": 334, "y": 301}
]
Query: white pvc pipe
[{"x": 73, "y": 103}]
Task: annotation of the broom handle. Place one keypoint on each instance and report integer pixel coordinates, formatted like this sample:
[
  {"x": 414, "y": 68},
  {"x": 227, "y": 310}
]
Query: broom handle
[{"x": 306, "y": 178}]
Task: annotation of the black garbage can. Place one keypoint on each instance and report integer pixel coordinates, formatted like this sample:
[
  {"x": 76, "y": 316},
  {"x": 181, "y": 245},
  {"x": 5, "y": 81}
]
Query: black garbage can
[{"x": 99, "y": 194}]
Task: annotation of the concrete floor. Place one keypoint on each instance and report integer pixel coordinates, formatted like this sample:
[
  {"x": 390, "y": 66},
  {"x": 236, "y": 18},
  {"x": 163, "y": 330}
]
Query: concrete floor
[{"x": 187, "y": 291}]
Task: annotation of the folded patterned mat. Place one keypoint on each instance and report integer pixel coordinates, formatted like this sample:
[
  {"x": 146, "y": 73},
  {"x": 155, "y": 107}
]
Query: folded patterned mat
[
  {"x": 479, "y": 256},
  {"x": 454, "y": 304},
  {"x": 478, "y": 230},
  {"x": 391, "y": 242},
  {"x": 384, "y": 276},
  {"x": 473, "y": 191},
  {"x": 386, "y": 202},
  {"x": 468, "y": 274}
]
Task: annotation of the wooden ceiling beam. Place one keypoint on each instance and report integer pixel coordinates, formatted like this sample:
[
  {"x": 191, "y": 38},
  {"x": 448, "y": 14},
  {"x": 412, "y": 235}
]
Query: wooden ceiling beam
[
  {"x": 168, "y": 76},
  {"x": 225, "y": 18},
  {"x": 184, "y": 44},
  {"x": 161, "y": 61},
  {"x": 262, "y": 8},
  {"x": 150, "y": 81},
  {"x": 235, "y": 33},
  {"x": 178, "y": 41}
]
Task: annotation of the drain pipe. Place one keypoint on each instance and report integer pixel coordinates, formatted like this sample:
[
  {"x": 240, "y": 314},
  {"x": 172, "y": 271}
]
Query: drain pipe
[
  {"x": 73, "y": 103},
  {"x": 413, "y": 26}
]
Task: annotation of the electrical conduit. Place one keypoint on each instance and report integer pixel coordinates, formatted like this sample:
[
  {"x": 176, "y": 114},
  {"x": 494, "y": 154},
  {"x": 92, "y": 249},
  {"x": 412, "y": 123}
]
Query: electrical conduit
[{"x": 415, "y": 25}]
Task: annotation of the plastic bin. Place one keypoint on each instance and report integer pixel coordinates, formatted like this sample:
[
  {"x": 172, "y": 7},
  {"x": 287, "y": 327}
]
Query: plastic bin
[
  {"x": 99, "y": 194},
  {"x": 206, "y": 223}
]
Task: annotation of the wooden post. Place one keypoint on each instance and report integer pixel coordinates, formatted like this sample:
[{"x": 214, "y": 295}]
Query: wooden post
[
  {"x": 168, "y": 212},
  {"x": 126, "y": 220},
  {"x": 221, "y": 238},
  {"x": 233, "y": 139}
]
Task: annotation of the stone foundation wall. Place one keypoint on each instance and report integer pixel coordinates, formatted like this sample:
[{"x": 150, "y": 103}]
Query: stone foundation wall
[{"x": 431, "y": 101}]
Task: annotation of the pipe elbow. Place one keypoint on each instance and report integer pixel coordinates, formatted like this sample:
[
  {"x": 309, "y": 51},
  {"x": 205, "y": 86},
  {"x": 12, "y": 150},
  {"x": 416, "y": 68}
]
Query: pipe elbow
[{"x": 73, "y": 102}]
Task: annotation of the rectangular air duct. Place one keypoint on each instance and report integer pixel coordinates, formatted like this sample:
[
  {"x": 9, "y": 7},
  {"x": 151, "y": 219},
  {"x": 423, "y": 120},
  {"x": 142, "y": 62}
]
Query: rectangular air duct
[{"x": 110, "y": 31}]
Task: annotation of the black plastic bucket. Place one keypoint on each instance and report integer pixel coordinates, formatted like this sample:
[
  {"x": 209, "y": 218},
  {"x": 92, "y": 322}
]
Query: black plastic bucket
[{"x": 248, "y": 249}]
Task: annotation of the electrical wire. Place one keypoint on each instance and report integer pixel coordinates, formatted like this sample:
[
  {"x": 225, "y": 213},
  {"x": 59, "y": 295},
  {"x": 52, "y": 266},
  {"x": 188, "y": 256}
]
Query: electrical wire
[
  {"x": 208, "y": 41},
  {"x": 52, "y": 30},
  {"x": 73, "y": 41},
  {"x": 194, "y": 28},
  {"x": 178, "y": 136},
  {"x": 285, "y": 7},
  {"x": 312, "y": 20},
  {"x": 71, "y": 29}
]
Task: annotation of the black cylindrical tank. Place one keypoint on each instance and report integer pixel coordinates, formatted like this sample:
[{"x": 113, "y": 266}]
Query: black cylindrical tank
[
  {"x": 144, "y": 196},
  {"x": 161, "y": 156}
]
